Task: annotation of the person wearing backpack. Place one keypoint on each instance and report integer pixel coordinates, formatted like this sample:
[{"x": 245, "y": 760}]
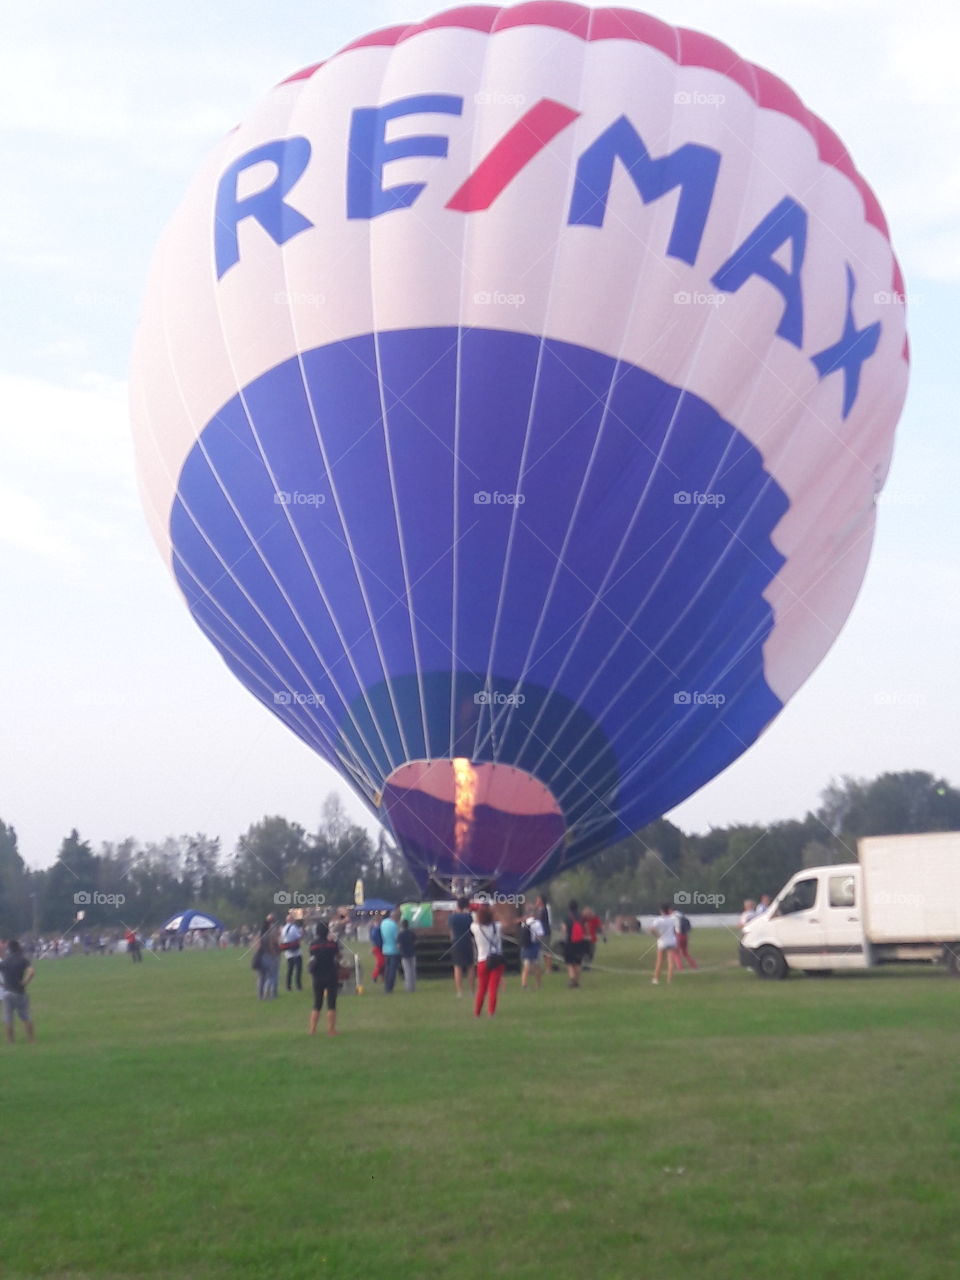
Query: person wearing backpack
[
  {"x": 574, "y": 942},
  {"x": 531, "y": 939},
  {"x": 683, "y": 940},
  {"x": 376, "y": 946},
  {"x": 490, "y": 963}
]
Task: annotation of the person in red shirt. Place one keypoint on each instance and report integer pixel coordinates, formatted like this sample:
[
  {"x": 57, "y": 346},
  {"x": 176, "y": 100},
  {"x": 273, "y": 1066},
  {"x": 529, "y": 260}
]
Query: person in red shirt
[
  {"x": 593, "y": 926},
  {"x": 133, "y": 945}
]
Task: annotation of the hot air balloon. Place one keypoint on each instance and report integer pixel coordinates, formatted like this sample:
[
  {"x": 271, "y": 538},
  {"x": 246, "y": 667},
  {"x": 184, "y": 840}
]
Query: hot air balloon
[{"x": 511, "y": 397}]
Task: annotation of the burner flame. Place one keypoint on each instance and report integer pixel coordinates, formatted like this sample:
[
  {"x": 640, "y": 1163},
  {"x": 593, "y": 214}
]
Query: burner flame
[{"x": 465, "y": 797}]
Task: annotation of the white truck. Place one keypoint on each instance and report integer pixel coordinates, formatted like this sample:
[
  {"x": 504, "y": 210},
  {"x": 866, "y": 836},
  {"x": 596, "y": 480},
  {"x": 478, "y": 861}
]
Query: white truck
[{"x": 899, "y": 904}]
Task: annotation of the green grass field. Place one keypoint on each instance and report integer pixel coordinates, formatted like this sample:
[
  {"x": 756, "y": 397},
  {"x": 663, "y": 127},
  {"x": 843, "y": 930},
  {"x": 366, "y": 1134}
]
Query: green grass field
[{"x": 168, "y": 1124}]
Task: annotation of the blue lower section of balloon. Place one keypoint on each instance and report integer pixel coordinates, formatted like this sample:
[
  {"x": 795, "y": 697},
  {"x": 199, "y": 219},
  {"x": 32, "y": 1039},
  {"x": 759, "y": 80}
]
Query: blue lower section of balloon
[{"x": 435, "y": 542}]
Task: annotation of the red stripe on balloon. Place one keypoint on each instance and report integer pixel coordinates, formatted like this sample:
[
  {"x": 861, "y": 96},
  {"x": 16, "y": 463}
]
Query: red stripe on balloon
[{"x": 516, "y": 148}]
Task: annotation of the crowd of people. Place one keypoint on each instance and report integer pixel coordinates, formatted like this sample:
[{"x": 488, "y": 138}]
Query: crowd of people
[{"x": 475, "y": 953}]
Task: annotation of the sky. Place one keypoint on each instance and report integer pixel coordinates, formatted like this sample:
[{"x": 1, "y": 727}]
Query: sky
[{"x": 118, "y": 717}]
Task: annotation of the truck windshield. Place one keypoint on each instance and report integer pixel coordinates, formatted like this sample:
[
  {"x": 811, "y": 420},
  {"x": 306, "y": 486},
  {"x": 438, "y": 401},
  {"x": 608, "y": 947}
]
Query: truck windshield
[{"x": 800, "y": 898}]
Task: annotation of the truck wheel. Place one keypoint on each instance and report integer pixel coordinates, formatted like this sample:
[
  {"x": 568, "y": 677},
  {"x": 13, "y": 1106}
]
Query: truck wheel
[
  {"x": 770, "y": 963},
  {"x": 951, "y": 956}
]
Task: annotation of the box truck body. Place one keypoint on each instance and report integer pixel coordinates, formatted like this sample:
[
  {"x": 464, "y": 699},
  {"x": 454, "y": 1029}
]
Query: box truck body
[{"x": 900, "y": 903}]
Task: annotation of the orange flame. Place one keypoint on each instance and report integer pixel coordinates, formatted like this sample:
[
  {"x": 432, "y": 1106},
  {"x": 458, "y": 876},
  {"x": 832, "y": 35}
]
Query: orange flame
[{"x": 465, "y": 796}]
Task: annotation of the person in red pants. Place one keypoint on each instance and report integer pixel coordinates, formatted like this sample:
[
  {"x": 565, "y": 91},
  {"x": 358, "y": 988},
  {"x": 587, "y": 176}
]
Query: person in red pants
[
  {"x": 376, "y": 941},
  {"x": 683, "y": 941},
  {"x": 487, "y": 936}
]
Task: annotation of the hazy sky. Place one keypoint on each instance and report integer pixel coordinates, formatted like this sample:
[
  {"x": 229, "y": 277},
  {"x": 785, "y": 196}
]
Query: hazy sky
[{"x": 118, "y": 717}]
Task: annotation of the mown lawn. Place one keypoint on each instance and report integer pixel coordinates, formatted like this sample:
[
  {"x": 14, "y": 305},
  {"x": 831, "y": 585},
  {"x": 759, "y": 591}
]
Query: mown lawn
[{"x": 168, "y": 1124}]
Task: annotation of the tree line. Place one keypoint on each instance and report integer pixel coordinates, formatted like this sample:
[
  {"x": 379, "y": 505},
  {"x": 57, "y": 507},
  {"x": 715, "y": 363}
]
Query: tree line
[{"x": 278, "y": 862}]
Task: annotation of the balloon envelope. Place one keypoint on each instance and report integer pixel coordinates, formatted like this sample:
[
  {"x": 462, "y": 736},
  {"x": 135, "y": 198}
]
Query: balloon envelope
[{"x": 512, "y": 394}]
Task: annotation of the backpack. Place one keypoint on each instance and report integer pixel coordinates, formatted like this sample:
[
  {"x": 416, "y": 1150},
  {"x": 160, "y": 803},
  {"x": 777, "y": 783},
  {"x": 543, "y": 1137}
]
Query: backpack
[
  {"x": 526, "y": 936},
  {"x": 576, "y": 933},
  {"x": 684, "y": 923},
  {"x": 376, "y": 937}
]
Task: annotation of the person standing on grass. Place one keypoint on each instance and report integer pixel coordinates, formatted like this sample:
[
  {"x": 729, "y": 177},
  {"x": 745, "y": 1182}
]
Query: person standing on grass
[
  {"x": 664, "y": 928},
  {"x": 133, "y": 945},
  {"x": 490, "y": 964},
  {"x": 16, "y": 974},
  {"x": 460, "y": 924},
  {"x": 268, "y": 947},
  {"x": 593, "y": 926},
  {"x": 683, "y": 940},
  {"x": 531, "y": 935},
  {"x": 574, "y": 942},
  {"x": 389, "y": 931},
  {"x": 290, "y": 938},
  {"x": 546, "y": 925},
  {"x": 407, "y": 942},
  {"x": 376, "y": 946},
  {"x": 325, "y": 971}
]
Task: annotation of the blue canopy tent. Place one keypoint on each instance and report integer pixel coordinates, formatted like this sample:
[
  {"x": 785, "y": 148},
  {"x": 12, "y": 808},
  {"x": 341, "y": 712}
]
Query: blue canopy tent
[
  {"x": 373, "y": 904},
  {"x": 184, "y": 921}
]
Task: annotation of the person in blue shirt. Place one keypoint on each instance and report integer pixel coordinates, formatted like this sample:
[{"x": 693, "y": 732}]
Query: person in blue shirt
[
  {"x": 389, "y": 931},
  {"x": 459, "y": 923}
]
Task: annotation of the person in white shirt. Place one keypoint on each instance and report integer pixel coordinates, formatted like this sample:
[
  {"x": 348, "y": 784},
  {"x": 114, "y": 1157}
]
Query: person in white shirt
[
  {"x": 489, "y": 941},
  {"x": 290, "y": 937},
  {"x": 664, "y": 929},
  {"x": 748, "y": 913}
]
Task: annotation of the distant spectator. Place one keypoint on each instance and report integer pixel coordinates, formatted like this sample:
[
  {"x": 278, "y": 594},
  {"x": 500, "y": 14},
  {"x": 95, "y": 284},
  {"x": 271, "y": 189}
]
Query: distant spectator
[
  {"x": 407, "y": 942},
  {"x": 531, "y": 938},
  {"x": 389, "y": 931},
  {"x": 338, "y": 925},
  {"x": 376, "y": 946},
  {"x": 490, "y": 963},
  {"x": 268, "y": 948},
  {"x": 683, "y": 940},
  {"x": 133, "y": 945},
  {"x": 545, "y": 917},
  {"x": 763, "y": 905},
  {"x": 290, "y": 938},
  {"x": 574, "y": 942},
  {"x": 460, "y": 923},
  {"x": 665, "y": 930},
  {"x": 16, "y": 974},
  {"x": 748, "y": 912},
  {"x": 325, "y": 971},
  {"x": 593, "y": 926}
]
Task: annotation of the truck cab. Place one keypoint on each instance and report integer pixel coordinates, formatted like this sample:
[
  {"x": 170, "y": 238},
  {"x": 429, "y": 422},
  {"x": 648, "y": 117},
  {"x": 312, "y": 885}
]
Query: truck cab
[{"x": 814, "y": 924}]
